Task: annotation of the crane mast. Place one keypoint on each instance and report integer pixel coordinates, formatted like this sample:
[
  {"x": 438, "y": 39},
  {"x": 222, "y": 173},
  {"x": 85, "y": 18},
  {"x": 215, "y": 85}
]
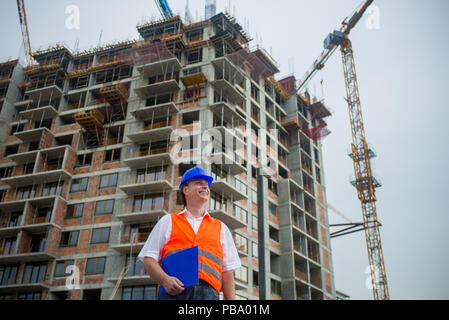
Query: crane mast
[
  {"x": 364, "y": 180},
  {"x": 24, "y": 29},
  {"x": 365, "y": 183}
]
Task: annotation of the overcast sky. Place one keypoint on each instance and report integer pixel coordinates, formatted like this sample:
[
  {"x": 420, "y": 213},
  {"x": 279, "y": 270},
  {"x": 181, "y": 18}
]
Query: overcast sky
[{"x": 403, "y": 71}]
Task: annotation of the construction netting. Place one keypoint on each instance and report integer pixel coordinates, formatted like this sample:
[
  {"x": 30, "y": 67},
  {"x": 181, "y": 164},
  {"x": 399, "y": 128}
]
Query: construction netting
[
  {"x": 145, "y": 52},
  {"x": 252, "y": 65},
  {"x": 319, "y": 132},
  {"x": 319, "y": 110}
]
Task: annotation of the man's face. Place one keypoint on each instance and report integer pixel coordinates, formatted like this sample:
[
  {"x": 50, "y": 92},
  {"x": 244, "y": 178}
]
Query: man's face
[{"x": 197, "y": 190}]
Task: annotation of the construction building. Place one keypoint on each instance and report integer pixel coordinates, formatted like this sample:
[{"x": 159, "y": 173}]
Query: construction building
[{"x": 94, "y": 145}]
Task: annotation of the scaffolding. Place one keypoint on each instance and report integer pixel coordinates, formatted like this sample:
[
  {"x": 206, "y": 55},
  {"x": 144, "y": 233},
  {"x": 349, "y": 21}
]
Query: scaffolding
[
  {"x": 114, "y": 95},
  {"x": 92, "y": 122}
]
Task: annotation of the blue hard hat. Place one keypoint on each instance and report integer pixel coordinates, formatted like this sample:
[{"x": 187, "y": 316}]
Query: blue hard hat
[{"x": 195, "y": 172}]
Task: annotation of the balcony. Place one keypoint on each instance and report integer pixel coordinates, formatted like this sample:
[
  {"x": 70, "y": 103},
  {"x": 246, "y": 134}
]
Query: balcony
[
  {"x": 228, "y": 216},
  {"x": 34, "y": 134},
  {"x": 135, "y": 241},
  {"x": 39, "y": 225},
  {"x": 46, "y": 92},
  {"x": 160, "y": 85},
  {"x": 24, "y": 157},
  {"x": 49, "y": 174},
  {"x": 131, "y": 214},
  {"x": 230, "y": 161},
  {"x": 223, "y": 186},
  {"x": 146, "y": 185},
  {"x": 158, "y": 110},
  {"x": 10, "y": 225},
  {"x": 45, "y": 113},
  {"x": 226, "y": 89},
  {"x": 31, "y": 254},
  {"x": 229, "y": 136},
  {"x": 141, "y": 159},
  {"x": 156, "y": 131},
  {"x": 150, "y": 69},
  {"x": 227, "y": 112}
]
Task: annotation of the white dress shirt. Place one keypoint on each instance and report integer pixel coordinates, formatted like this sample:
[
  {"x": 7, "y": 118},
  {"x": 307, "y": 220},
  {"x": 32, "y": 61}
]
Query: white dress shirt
[{"x": 162, "y": 232}]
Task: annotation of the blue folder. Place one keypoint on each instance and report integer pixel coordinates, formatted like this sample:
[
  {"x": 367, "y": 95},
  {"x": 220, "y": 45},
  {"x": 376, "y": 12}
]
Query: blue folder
[{"x": 182, "y": 265}]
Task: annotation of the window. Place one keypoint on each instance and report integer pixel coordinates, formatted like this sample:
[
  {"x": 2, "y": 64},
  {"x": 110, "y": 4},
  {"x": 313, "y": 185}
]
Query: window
[
  {"x": 61, "y": 268},
  {"x": 84, "y": 160},
  {"x": 112, "y": 155},
  {"x": 276, "y": 287},
  {"x": 274, "y": 234},
  {"x": 69, "y": 238},
  {"x": 317, "y": 155},
  {"x": 151, "y": 174},
  {"x": 9, "y": 150},
  {"x": 254, "y": 196},
  {"x": 217, "y": 202},
  {"x": 5, "y": 172},
  {"x": 26, "y": 192},
  {"x": 150, "y": 202},
  {"x": 273, "y": 186},
  {"x": 241, "y": 243},
  {"x": 51, "y": 189},
  {"x": 255, "y": 248},
  {"x": 241, "y": 274},
  {"x": 255, "y": 223},
  {"x": 95, "y": 265},
  {"x": 255, "y": 279},
  {"x": 108, "y": 180},
  {"x": 241, "y": 186},
  {"x": 8, "y": 275},
  {"x": 183, "y": 167},
  {"x": 75, "y": 211},
  {"x": 104, "y": 207},
  {"x": 17, "y": 128},
  {"x": 241, "y": 213},
  {"x": 79, "y": 185},
  {"x": 318, "y": 174},
  {"x": 9, "y": 244},
  {"x": 29, "y": 296},
  {"x": 34, "y": 273},
  {"x": 254, "y": 92},
  {"x": 273, "y": 209},
  {"x": 135, "y": 267},
  {"x": 100, "y": 235},
  {"x": 14, "y": 220},
  {"x": 139, "y": 293}
]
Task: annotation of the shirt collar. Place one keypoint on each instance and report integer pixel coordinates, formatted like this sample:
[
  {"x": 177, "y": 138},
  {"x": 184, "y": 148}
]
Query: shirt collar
[{"x": 187, "y": 213}]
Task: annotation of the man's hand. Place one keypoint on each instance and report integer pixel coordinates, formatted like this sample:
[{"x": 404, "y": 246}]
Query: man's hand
[{"x": 173, "y": 286}]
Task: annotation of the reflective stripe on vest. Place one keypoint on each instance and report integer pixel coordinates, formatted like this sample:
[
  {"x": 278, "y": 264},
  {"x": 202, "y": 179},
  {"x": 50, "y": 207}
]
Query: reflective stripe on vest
[{"x": 207, "y": 239}]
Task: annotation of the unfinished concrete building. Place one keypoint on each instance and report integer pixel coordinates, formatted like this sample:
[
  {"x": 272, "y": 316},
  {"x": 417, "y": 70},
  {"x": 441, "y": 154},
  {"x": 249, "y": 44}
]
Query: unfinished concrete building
[{"x": 91, "y": 159}]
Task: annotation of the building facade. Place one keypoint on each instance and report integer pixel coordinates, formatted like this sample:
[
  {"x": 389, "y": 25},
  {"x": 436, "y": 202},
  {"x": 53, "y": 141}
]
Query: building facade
[{"x": 94, "y": 145}]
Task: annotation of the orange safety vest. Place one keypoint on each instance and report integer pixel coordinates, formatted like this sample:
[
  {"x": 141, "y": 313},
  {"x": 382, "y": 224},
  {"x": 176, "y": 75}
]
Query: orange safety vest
[{"x": 210, "y": 261}]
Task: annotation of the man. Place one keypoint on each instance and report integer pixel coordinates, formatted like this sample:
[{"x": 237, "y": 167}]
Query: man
[{"x": 218, "y": 256}]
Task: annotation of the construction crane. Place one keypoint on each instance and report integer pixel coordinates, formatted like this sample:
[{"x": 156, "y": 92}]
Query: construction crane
[
  {"x": 361, "y": 155},
  {"x": 164, "y": 8},
  {"x": 25, "y": 33}
]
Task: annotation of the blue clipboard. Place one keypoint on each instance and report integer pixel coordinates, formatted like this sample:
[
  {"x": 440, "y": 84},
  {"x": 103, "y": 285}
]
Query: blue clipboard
[{"x": 182, "y": 265}]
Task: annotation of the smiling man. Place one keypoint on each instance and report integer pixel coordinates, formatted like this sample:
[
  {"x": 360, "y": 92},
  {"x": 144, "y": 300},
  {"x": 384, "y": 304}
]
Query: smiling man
[{"x": 218, "y": 256}]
